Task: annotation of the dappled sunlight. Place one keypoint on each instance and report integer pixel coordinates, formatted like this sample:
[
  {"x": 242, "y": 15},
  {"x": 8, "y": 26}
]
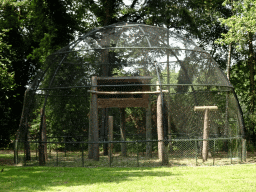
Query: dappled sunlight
[{"x": 128, "y": 179}]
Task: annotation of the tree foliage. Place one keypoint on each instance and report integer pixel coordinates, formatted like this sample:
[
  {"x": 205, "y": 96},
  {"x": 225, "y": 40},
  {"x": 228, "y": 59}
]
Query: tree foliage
[
  {"x": 6, "y": 78},
  {"x": 33, "y": 29},
  {"x": 241, "y": 33}
]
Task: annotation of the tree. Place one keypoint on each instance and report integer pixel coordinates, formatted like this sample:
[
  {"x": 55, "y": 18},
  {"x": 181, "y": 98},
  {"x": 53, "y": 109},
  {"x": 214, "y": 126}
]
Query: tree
[
  {"x": 195, "y": 18},
  {"x": 7, "y": 85},
  {"x": 35, "y": 29},
  {"x": 6, "y": 77},
  {"x": 11, "y": 79},
  {"x": 241, "y": 33}
]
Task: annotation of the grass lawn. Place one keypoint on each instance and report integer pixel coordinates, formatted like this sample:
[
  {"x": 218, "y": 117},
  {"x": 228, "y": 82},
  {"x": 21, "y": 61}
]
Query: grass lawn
[{"x": 214, "y": 178}]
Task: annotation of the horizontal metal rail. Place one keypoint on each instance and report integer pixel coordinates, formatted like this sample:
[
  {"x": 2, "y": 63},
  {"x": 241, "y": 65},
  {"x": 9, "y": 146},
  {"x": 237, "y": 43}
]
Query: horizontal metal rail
[
  {"x": 136, "y": 141},
  {"x": 153, "y": 48},
  {"x": 125, "y": 85},
  {"x": 126, "y": 93},
  {"x": 87, "y": 63}
]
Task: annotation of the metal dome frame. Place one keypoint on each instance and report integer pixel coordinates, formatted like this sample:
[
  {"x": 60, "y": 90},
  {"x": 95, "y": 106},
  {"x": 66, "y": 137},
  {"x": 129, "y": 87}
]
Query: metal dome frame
[{"x": 132, "y": 65}]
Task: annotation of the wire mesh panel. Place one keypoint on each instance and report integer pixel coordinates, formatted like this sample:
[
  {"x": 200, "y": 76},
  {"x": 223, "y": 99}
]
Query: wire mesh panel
[{"x": 150, "y": 79}]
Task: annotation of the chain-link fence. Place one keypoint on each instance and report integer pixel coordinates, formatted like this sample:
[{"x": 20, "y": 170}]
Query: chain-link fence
[{"x": 179, "y": 152}]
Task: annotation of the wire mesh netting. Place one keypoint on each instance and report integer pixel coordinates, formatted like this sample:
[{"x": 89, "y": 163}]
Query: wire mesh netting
[
  {"x": 180, "y": 152},
  {"x": 169, "y": 101}
]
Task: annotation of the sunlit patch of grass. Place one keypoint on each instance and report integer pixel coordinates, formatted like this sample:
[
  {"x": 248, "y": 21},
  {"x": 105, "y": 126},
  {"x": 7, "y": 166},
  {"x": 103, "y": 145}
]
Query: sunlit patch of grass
[{"x": 213, "y": 178}]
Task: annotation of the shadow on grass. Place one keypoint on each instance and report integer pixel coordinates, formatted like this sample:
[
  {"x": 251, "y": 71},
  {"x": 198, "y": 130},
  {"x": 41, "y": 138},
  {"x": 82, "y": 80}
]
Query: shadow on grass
[{"x": 44, "y": 178}]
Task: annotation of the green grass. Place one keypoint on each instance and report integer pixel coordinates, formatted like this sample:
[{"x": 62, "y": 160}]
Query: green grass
[{"x": 214, "y": 178}]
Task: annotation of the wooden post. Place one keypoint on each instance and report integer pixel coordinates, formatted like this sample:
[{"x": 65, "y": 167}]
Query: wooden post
[
  {"x": 206, "y": 110},
  {"x": 205, "y": 136},
  {"x": 94, "y": 126},
  {"x": 160, "y": 130},
  {"x": 122, "y": 131},
  {"x": 149, "y": 130},
  {"x": 110, "y": 138}
]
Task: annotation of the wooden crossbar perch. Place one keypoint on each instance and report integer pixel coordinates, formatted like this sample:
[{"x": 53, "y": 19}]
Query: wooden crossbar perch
[
  {"x": 206, "y": 110},
  {"x": 202, "y": 108},
  {"x": 126, "y": 93}
]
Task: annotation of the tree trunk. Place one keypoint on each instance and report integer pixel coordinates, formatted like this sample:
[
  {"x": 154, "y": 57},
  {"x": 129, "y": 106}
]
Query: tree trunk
[
  {"x": 251, "y": 63},
  {"x": 229, "y": 61}
]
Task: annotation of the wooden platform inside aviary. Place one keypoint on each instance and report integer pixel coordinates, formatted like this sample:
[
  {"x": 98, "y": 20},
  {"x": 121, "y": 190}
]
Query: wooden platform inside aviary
[{"x": 123, "y": 92}]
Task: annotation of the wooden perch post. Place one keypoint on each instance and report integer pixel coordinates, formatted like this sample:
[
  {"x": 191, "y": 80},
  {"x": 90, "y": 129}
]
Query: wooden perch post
[
  {"x": 160, "y": 130},
  {"x": 206, "y": 110},
  {"x": 115, "y": 92},
  {"x": 94, "y": 127}
]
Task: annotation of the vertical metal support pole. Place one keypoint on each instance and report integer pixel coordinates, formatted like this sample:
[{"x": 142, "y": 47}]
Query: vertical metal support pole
[
  {"x": 241, "y": 151},
  {"x": 110, "y": 139},
  {"x": 137, "y": 146},
  {"x": 25, "y": 161},
  {"x": 196, "y": 151},
  {"x": 213, "y": 155},
  {"x": 50, "y": 145},
  {"x": 244, "y": 150},
  {"x": 168, "y": 97},
  {"x": 42, "y": 140},
  {"x": 122, "y": 132},
  {"x": 57, "y": 155},
  {"x": 231, "y": 155},
  {"x": 36, "y": 150},
  {"x": 26, "y": 141},
  {"x": 226, "y": 129},
  {"x": 82, "y": 147},
  {"x": 149, "y": 130},
  {"x": 16, "y": 152},
  {"x": 65, "y": 141},
  {"x": 90, "y": 138},
  {"x": 104, "y": 129}
]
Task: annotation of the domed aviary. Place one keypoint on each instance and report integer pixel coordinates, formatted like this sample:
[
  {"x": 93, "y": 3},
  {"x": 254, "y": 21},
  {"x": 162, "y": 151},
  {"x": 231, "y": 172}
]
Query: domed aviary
[{"x": 156, "y": 83}]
